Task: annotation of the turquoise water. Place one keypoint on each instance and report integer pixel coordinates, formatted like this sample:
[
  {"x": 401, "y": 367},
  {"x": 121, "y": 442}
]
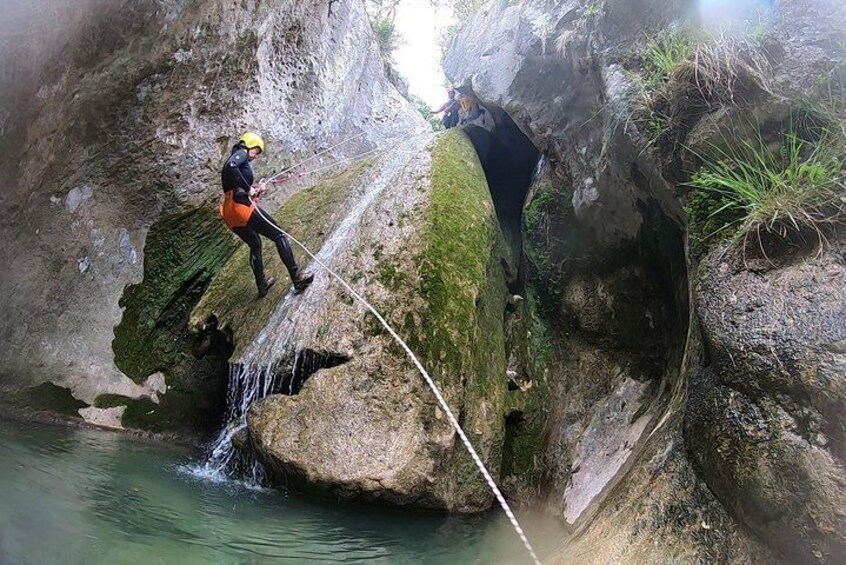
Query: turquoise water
[{"x": 89, "y": 496}]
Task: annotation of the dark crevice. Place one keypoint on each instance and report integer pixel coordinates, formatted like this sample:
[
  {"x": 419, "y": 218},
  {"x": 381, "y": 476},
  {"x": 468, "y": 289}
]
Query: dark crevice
[
  {"x": 306, "y": 363},
  {"x": 513, "y": 423},
  {"x": 508, "y": 158}
]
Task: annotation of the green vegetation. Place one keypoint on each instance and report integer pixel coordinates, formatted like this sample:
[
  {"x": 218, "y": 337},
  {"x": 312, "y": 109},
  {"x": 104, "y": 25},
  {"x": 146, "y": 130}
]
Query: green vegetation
[
  {"x": 459, "y": 332},
  {"x": 795, "y": 190},
  {"x": 665, "y": 54},
  {"x": 550, "y": 235},
  {"x": 525, "y": 438},
  {"x": 386, "y": 35},
  {"x": 465, "y": 9},
  {"x": 685, "y": 72},
  {"x": 425, "y": 111},
  {"x": 182, "y": 254},
  {"x": 593, "y": 8},
  {"x": 460, "y": 230}
]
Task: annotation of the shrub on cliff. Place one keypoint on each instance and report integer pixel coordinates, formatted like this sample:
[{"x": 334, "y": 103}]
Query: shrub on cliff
[
  {"x": 685, "y": 73},
  {"x": 792, "y": 191}
]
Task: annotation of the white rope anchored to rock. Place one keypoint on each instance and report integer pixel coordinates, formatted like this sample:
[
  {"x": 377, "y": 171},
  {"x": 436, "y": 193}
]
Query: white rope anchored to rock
[{"x": 443, "y": 404}]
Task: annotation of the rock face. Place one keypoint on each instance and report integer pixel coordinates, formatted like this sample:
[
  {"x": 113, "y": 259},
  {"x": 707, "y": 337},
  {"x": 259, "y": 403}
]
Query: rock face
[
  {"x": 673, "y": 434},
  {"x": 415, "y": 232},
  {"x": 765, "y": 421},
  {"x": 118, "y": 116}
]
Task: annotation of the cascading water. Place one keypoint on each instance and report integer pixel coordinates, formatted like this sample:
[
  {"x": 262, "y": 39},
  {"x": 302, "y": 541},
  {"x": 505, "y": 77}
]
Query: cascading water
[{"x": 260, "y": 371}]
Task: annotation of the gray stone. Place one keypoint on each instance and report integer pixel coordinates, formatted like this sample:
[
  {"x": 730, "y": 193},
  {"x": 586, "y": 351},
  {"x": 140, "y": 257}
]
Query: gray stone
[{"x": 755, "y": 418}]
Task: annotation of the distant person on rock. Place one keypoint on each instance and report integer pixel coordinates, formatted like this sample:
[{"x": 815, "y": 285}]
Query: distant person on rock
[
  {"x": 248, "y": 220},
  {"x": 468, "y": 108},
  {"x": 450, "y": 110}
]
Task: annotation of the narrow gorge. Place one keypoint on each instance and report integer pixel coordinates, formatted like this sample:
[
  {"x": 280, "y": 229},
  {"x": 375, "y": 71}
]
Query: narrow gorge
[{"x": 626, "y": 273}]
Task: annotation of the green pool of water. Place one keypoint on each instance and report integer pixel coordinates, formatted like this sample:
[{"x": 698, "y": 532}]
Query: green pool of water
[{"x": 88, "y": 496}]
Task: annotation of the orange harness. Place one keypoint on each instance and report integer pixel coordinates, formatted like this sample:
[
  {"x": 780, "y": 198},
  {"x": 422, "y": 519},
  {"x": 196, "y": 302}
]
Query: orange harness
[{"x": 235, "y": 214}]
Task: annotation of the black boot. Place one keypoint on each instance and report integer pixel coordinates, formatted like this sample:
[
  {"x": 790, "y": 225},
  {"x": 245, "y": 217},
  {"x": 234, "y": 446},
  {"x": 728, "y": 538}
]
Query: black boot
[
  {"x": 301, "y": 281},
  {"x": 265, "y": 285}
]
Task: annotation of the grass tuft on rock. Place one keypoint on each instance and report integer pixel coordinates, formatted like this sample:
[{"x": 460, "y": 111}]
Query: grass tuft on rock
[
  {"x": 794, "y": 190},
  {"x": 685, "y": 72}
]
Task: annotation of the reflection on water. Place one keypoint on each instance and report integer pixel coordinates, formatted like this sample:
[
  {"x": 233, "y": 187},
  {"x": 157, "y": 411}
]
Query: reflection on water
[{"x": 85, "y": 496}]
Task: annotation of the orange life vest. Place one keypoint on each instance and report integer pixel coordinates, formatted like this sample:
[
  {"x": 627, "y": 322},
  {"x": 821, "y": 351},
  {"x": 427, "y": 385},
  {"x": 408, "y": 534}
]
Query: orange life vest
[{"x": 235, "y": 214}]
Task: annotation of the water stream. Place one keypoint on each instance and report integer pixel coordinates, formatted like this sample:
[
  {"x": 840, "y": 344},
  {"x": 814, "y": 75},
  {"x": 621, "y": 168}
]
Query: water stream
[{"x": 91, "y": 496}]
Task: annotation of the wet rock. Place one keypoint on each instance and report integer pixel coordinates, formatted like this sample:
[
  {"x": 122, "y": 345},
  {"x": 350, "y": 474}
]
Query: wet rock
[
  {"x": 773, "y": 389},
  {"x": 612, "y": 433},
  {"x": 105, "y": 417},
  {"x": 78, "y": 196}
]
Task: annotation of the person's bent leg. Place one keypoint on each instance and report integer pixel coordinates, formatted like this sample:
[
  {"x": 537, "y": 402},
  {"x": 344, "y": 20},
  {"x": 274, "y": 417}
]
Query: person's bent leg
[
  {"x": 262, "y": 222},
  {"x": 252, "y": 239}
]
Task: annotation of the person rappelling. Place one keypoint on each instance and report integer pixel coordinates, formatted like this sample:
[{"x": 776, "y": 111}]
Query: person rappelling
[{"x": 242, "y": 214}]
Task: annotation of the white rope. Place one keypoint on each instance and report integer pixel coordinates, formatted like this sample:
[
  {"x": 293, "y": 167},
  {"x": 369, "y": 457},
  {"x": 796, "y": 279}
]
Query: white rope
[
  {"x": 435, "y": 390},
  {"x": 316, "y": 155}
]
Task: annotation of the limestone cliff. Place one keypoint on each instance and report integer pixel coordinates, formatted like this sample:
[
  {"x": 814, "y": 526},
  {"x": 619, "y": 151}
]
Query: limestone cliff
[
  {"x": 114, "y": 122},
  {"x": 695, "y": 383}
]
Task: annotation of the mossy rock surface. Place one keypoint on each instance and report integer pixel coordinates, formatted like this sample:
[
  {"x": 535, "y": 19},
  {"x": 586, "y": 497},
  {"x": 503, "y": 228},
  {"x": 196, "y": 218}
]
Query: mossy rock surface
[{"x": 183, "y": 253}]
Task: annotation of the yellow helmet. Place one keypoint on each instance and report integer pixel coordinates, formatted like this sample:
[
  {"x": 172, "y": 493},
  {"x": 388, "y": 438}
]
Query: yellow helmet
[{"x": 251, "y": 140}]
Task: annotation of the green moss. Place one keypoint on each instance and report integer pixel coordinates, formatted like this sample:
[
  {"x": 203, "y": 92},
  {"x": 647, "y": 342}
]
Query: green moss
[
  {"x": 526, "y": 436},
  {"x": 310, "y": 216},
  {"x": 182, "y": 254},
  {"x": 50, "y": 397},
  {"x": 392, "y": 278},
  {"x": 552, "y": 241},
  {"x": 142, "y": 413},
  {"x": 459, "y": 333}
]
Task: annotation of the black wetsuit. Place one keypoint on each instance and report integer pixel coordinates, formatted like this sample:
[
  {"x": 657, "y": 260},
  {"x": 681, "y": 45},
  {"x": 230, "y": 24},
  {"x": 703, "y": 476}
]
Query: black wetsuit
[
  {"x": 450, "y": 118},
  {"x": 253, "y": 221}
]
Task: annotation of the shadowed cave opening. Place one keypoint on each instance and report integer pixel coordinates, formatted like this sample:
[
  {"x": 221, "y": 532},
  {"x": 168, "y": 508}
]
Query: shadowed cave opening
[
  {"x": 303, "y": 365},
  {"x": 509, "y": 159}
]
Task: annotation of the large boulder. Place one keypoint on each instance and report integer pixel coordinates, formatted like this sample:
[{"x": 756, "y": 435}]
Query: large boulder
[
  {"x": 766, "y": 422},
  {"x": 415, "y": 233},
  {"x": 113, "y": 123}
]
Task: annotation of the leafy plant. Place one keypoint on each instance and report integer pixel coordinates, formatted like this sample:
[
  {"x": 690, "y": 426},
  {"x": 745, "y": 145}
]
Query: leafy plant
[
  {"x": 386, "y": 35},
  {"x": 426, "y": 112},
  {"x": 793, "y": 191},
  {"x": 593, "y": 8},
  {"x": 685, "y": 73}
]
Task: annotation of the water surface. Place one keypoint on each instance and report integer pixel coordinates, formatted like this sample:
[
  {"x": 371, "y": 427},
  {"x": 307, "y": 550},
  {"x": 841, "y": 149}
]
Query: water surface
[{"x": 89, "y": 496}]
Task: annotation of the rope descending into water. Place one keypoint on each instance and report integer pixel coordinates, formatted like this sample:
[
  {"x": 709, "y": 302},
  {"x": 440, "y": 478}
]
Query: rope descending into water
[{"x": 438, "y": 395}]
